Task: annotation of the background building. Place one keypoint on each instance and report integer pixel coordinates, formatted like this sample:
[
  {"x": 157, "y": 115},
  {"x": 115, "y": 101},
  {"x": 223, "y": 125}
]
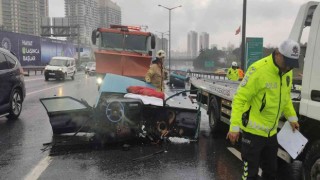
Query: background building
[
  {"x": 85, "y": 14},
  {"x": 110, "y": 13},
  {"x": 23, "y": 16},
  {"x": 192, "y": 49},
  {"x": 204, "y": 41},
  {"x": 162, "y": 43},
  {"x": 91, "y": 14}
]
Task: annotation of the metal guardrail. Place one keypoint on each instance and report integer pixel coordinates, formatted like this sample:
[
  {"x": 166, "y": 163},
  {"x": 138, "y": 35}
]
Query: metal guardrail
[
  {"x": 36, "y": 69},
  {"x": 208, "y": 75}
]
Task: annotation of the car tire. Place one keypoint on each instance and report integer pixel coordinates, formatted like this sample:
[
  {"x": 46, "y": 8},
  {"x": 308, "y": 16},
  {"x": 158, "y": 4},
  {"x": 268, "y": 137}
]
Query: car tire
[
  {"x": 15, "y": 104},
  {"x": 46, "y": 78},
  {"x": 72, "y": 77}
]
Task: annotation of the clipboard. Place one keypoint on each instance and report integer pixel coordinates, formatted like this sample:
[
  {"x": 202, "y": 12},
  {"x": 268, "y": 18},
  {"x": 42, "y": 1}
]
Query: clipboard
[{"x": 292, "y": 142}]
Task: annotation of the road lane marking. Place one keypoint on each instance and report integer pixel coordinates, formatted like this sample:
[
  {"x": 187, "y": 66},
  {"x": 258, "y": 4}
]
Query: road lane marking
[
  {"x": 43, "y": 90},
  {"x": 33, "y": 79},
  {"x": 238, "y": 155},
  {"x": 39, "y": 169}
]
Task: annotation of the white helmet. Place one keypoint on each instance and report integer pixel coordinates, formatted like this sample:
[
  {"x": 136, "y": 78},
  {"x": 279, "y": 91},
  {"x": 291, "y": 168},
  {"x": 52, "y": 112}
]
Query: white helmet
[
  {"x": 234, "y": 63},
  {"x": 161, "y": 54}
]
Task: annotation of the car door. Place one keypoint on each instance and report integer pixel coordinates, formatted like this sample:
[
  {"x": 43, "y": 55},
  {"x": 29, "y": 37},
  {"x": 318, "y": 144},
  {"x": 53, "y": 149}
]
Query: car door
[
  {"x": 5, "y": 83},
  {"x": 67, "y": 114}
]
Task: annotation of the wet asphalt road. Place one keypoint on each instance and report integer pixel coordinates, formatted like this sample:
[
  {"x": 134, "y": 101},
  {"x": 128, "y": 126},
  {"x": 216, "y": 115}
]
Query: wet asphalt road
[{"x": 21, "y": 142}]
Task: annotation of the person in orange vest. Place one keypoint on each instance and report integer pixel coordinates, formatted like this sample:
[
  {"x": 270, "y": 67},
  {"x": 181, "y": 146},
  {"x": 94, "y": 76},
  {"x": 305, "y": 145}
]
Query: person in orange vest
[{"x": 241, "y": 73}]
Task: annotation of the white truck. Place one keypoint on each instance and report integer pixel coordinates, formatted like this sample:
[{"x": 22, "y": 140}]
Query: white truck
[{"x": 216, "y": 95}]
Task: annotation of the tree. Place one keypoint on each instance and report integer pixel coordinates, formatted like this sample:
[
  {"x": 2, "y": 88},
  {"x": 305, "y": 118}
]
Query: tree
[{"x": 208, "y": 55}]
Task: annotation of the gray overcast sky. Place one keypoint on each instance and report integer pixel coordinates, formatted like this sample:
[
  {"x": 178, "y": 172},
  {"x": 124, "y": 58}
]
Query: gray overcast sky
[{"x": 270, "y": 19}]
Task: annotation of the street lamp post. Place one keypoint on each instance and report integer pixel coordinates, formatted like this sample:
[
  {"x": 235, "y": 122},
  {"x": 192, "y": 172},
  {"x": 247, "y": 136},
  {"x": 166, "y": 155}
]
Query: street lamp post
[{"x": 169, "y": 31}]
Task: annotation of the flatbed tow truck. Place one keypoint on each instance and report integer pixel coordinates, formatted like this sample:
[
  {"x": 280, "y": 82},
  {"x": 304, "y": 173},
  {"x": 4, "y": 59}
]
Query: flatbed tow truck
[{"x": 216, "y": 95}]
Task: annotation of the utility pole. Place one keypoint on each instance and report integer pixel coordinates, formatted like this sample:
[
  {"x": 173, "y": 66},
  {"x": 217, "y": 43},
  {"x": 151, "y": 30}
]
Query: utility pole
[{"x": 243, "y": 41}]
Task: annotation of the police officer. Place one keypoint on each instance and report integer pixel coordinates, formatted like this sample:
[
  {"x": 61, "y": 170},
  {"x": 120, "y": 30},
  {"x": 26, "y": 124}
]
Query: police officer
[
  {"x": 262, "y": 97},
  {"x": 233, "y": 73},
  {"x": 155, "y": 74}
]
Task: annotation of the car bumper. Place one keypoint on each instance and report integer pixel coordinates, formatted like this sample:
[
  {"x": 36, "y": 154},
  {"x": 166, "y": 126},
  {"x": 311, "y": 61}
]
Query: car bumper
[{"x": 53, "y": 74}]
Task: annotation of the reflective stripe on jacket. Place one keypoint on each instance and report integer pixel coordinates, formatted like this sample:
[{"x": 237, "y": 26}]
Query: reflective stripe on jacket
[
  {"x": 262, "y": 96},
  {"x": 233, "y": 74},
  {"x": 155, "y": 76}
]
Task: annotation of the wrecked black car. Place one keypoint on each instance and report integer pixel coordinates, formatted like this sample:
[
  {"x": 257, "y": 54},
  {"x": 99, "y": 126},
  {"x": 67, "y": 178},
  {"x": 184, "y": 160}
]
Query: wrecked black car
[{"x": 115, "y": 117}]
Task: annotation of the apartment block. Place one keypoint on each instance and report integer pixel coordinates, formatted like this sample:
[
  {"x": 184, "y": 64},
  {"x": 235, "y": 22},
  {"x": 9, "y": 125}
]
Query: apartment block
[{"x": 23, "y": 16}]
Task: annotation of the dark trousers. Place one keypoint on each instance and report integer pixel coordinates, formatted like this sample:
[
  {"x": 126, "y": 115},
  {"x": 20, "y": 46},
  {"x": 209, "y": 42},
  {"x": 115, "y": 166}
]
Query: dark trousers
[{"x": 259, "y": 151}]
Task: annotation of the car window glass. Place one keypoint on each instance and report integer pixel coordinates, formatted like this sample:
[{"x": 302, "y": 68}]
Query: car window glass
[
  {"x": 3, "y": 62},
  {"x": 11, "y": 62}
]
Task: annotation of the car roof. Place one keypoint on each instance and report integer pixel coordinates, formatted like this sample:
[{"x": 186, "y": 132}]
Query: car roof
[{"x": 7, "y": 52}]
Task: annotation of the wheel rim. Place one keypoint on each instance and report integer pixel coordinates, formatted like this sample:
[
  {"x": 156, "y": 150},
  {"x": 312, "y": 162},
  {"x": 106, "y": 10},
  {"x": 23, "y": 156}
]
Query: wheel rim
[
  {"x": 315, "y": 170},
  {"x": 16, "y": 103}
]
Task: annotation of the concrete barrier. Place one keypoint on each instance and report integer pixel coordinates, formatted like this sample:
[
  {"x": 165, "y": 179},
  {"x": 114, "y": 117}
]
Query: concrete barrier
[{"x": 36, "y": 69}]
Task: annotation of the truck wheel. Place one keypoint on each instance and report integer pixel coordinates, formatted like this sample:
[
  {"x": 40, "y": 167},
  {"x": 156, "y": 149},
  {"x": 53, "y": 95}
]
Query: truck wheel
[
  {"x": 214, "y": 115},
  {"x": 312, "y": 162},
  {"x": 296, "y": 170}
]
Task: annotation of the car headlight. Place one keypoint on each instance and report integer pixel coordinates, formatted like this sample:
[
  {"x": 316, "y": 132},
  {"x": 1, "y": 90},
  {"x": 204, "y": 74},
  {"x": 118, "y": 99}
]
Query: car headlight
[
  {"x": 99, "y": 80},
  {"x": 46, "y": 68},
  {"x": 60, "y": 69}
]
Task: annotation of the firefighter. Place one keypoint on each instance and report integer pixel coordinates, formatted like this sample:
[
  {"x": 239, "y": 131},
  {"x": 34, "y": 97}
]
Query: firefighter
[
  {"x": 233, "y": 73},
  {"x": 262, "y": 97},
  {"x": 155, "y": 74}
]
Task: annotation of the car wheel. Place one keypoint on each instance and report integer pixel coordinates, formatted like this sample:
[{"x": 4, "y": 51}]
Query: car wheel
[
  {"x": 46, "y": 78},
  {"x": 72, "y": 77},
  {"x": 15, "y": 104}
]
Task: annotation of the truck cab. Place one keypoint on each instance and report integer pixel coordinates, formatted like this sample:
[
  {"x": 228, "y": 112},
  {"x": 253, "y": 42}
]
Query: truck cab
[
  {"x": 122, "y": 50},
  {"x": 308, "y": 19}
]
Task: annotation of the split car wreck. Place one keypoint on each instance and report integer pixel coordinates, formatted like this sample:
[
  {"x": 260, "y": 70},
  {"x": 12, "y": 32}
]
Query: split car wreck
[{"x": 117, "y": 117}]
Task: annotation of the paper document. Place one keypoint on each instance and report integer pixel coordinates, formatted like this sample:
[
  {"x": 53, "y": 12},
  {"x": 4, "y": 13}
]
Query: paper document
[{"x": 292, "y": 142}]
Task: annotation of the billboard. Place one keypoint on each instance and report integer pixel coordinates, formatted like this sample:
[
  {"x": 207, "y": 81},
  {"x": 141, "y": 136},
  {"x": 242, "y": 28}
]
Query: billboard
[
  {"x": 26, "y": 47},
  {"x": 53, "y": 47},
  {"x": 37, "y": 51}
]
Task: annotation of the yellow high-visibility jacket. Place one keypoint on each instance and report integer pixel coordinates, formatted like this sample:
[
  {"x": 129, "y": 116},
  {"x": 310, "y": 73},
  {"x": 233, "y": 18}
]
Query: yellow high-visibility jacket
[
  {"x": 262, "y": 97},
  {"x": 233, "y": 74},
  {"x": 155, "y": 76}
]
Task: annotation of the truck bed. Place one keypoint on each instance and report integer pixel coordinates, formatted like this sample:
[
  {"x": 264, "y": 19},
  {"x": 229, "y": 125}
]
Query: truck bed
[{"x": 222, "y": 88}]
